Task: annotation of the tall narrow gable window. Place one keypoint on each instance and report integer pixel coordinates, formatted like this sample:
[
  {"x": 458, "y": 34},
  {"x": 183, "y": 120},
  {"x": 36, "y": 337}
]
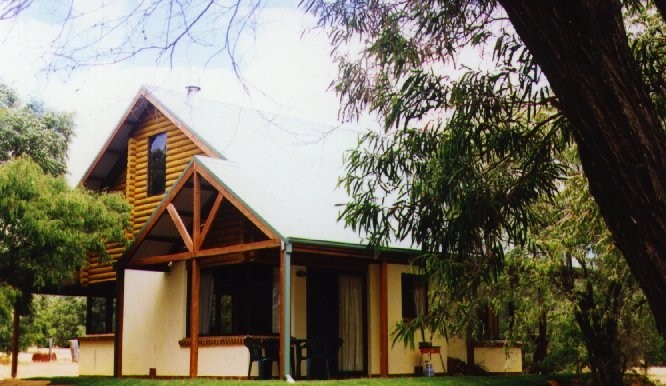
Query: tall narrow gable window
[{"x": 157, "y": 164}]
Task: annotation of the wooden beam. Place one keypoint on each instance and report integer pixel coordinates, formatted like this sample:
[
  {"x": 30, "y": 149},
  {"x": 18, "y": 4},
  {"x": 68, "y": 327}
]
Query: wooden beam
[
  {"x": 383, "y": 319},
  {"x": 118, "y": 337},
  {"x": 135, "y": 103},
  {"x": 158, "y": 213},
  {"x": 239, "y": 205},
  {"x": 180, "y": 226},
  {"x": 220, "y": 251},
  {"x": 194, "y": 317},
  {"x": 161, "y": 259},
  {"x": 238, "y": 248},
  {"x": 196, "y": 221},
  {"x": 209, "y": 220},
  {"x": 223, "y": 260}
]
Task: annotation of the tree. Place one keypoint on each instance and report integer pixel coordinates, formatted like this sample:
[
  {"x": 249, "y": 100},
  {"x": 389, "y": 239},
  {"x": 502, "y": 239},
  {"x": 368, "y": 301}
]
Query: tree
[
  {"x": 56, "y": 317},
  {"x": 48, "y": 228},
  {"x": 33, "y": 131},
  {"x": 504, "y": 120},
  {"x": 589, "y": 277}
]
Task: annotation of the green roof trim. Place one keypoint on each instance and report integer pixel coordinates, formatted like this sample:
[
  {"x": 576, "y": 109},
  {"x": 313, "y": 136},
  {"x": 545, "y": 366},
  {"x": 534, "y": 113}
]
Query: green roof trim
[{"x": 340, "y": 244}]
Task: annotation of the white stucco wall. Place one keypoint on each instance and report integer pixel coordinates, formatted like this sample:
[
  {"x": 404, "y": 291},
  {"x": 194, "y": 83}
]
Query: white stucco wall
[
  {"x": 491, "y": 359},
  {"x": 403, "y": 359},
  {"x": 499, "y": 359},
  {"x": 96, "y": 358},
  {"x": 225, "y": 361},
  {"x": 154, "y": 320}
]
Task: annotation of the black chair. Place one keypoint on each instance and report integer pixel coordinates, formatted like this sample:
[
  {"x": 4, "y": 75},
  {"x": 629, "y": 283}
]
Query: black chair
[
  {"x": 318, "y": 353},
  {"x": 265, "y": 363}
]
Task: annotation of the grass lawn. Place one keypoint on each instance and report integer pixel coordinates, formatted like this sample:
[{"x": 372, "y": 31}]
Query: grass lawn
[{"x": 519, "y": 380}]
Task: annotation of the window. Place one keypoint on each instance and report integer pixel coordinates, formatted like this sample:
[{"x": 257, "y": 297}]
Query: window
[
  {"x": 414, "y": 296},
  {"x": 237, "y": 300},
  {"x": 99, "y": 315},
  {"x": 495, "y": 325},
  {"x": 157, "y": 164}
]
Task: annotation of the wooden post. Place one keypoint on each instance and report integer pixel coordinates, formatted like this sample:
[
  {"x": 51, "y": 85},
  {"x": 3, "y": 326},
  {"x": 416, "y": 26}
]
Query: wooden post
[
  {"x": 383, "y": 319},
  {"x": 194, "y": 317},
  {"x": 196, "y": 220},
  {"x": 118, "y": 337},
  {"x": 15, "y": 338}
]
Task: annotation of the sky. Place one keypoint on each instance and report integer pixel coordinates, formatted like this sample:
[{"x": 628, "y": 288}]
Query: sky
[{"x": 284, "y": 61}]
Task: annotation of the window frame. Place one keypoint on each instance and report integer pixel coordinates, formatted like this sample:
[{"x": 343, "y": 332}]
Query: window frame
[
  {"x": 409, "y": 281},
  {"x": 152, "y": 189}
]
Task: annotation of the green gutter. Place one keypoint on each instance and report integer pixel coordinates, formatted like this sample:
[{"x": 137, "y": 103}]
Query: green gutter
[{"x": 341, "y": 244}]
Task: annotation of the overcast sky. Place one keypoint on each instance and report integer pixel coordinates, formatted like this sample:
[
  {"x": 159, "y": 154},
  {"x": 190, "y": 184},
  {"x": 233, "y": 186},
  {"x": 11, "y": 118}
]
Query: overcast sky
[{"x": 288, "y": 72}]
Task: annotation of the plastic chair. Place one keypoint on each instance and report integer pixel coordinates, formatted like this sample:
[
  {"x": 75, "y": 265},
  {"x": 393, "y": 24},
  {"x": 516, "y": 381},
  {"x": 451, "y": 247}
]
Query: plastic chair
[
  {"x": 256, "y": 355},
  {"x": 318, "y": 351}
]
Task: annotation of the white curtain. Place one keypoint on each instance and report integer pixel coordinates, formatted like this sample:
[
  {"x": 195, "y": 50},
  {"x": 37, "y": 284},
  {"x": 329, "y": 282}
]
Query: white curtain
[
  {"x": 206, "y": 299},
  {"x": 350, "y": 292}
]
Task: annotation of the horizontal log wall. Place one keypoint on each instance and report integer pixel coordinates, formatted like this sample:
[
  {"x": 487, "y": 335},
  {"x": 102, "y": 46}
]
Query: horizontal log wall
[{"x": 134, "y": 181}]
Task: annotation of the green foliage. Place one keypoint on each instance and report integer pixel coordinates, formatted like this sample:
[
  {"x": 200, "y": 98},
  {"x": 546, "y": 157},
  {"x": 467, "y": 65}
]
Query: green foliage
[
  {"x": 597, "y": 314},
  {"x": 33, "y": 131},
  {"x": 49, "y": 228},
  {"x": 8, "y": 297},
  {"x": 60, "y": 318},
  {"x": 471, "y": 163}
]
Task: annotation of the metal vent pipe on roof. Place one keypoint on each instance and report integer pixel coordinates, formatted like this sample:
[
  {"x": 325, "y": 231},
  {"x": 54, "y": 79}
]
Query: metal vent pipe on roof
[{"x": 192, "y": 91}]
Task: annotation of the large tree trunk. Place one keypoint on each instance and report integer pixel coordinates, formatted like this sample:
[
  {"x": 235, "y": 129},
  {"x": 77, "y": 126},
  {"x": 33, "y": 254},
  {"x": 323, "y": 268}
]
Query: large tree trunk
[
  {"x": 540, "y": 344},
  {"x": 582, "y": 48},
  {"x": 15, "y": 338}
]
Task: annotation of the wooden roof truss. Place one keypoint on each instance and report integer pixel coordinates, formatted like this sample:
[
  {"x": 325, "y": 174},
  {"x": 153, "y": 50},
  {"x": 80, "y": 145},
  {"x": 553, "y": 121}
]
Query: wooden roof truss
[{"x": 179, "y": 227}]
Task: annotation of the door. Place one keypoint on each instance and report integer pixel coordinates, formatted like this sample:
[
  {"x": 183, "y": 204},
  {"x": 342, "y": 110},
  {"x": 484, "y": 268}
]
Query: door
[{"x": 336, "y": 310}]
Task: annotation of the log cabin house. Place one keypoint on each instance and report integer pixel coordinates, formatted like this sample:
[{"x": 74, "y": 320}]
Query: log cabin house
[{"x": 235, "y": 233}]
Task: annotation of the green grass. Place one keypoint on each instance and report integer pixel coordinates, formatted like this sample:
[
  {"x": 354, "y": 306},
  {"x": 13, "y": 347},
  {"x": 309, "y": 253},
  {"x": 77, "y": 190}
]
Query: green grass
[{"x": 520, "y": 380}]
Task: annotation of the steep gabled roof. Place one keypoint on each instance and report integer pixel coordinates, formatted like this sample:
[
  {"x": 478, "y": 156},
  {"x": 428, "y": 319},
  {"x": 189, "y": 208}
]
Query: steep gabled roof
[
  {"x": 115, "y": 147},
  {"x": 282, "y": 169}
]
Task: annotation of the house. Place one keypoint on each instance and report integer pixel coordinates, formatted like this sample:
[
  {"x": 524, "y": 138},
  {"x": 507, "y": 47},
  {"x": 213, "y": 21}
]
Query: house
[{"x": 235, "y": 233}]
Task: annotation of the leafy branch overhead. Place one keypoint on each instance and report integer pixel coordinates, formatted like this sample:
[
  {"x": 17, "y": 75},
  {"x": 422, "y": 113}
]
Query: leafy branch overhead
[
  {"x": 470, "y": 144},
  {"x": 462, "y": 159}
]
